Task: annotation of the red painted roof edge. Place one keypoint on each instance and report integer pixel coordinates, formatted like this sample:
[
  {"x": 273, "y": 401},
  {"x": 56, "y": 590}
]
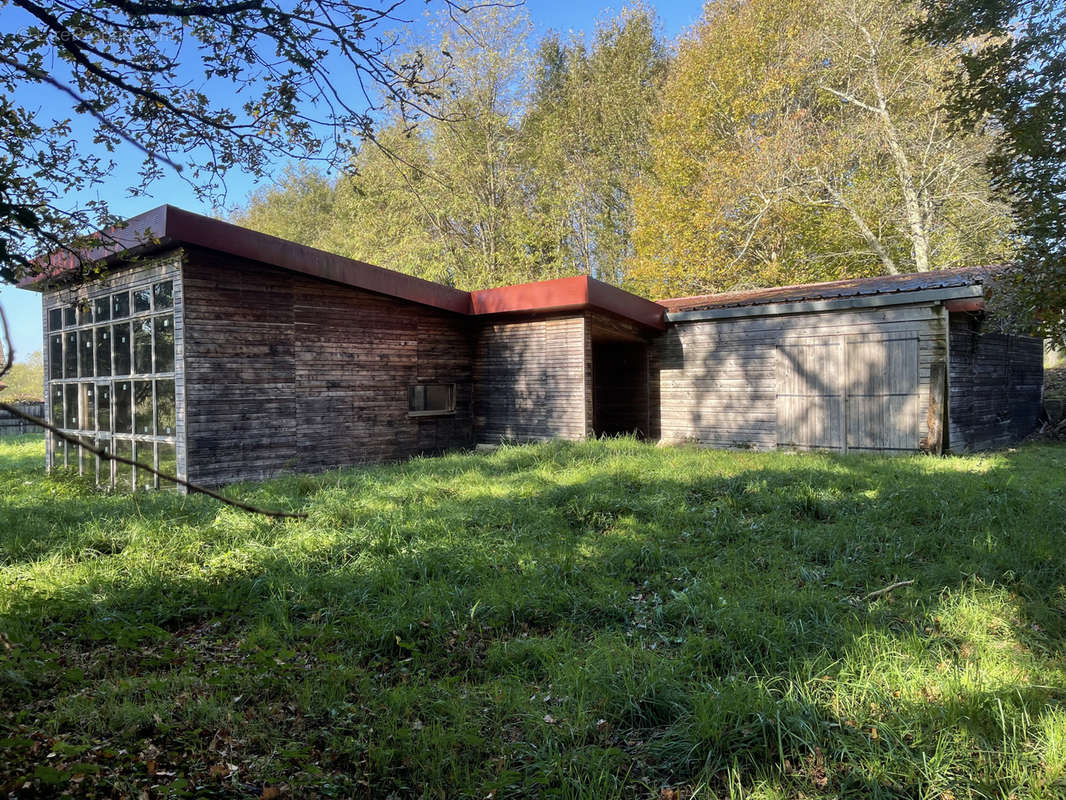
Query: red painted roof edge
[
  {"x": 168, "y": 226},
  {"x": 579, "y": 293},
  {"x": 883, "y": 284},
  {"x": 225, "y": 237}
]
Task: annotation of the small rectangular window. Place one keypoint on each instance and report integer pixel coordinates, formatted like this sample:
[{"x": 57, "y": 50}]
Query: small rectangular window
[
  {"x": 164, "y": 408},
  {"x": 70, "y": 316},
  {"x": 142, "y": 347},
  {"x": 168, "y": 463},
  {"x": 55, "y": 319},
  {"x": 87, "y": 406},
  {"x": 123, "y": 416},
  {"x": 85, "y": 313},
  {"x": 164, "y": 295},
  {"x": 85, "y": 353},
  {"x": 101, "y": 309},
  {"x": 70, "y": 355},
  {"x": 103, "y": 406},
  {"x": 120, "y": 348},
  {"x": 431, "y": 398},
  {"x": 123, "y": 472},
  {"x": 145, "y": 454},
  {"x": 164, "y": 343},
  {"x": 120, "y": 305},
  {"x": 142, "y": 300},
  {"x": 103, "y": 351},
  {"x": 55, "y": 356}
]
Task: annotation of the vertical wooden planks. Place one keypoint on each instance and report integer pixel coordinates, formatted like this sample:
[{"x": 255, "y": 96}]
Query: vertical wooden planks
[
  {"x": 809, "y": 397},
  {"x": 882, "y": 393}
]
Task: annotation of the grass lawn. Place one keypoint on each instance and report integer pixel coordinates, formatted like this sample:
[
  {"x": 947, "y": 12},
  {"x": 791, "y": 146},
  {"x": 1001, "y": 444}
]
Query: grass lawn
[{"x": 602, "y": 619}]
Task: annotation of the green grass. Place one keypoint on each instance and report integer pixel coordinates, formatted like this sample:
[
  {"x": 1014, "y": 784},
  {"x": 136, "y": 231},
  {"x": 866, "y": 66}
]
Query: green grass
[{"x": 592, "y": 620}]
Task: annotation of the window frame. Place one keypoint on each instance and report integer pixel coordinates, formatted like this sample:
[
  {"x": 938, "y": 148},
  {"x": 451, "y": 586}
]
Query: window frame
[
  {"x": 153, "y": 446},
  {"x": 434, "y": 412}
]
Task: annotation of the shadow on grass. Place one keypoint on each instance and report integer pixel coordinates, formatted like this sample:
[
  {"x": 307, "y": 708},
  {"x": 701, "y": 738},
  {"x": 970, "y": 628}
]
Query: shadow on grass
[{"x": 693, "y": 616}]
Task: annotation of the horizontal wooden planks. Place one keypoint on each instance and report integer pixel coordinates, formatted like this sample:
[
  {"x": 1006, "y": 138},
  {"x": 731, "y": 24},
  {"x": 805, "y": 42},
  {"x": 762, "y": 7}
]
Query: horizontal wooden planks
[
  {"x": 287, "y": 372},
  {"x": 530, "y": 380},
  {"x": 995, "y": 385}
]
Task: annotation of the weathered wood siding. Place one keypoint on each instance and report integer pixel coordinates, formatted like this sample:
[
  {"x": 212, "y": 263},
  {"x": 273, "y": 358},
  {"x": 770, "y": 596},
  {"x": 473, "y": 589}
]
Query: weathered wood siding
[
  {"x": 289, "y": 373},
  {"x": 531, "y": 380},
  {"x": 718, "y": 381},
  {"x": 996, "y": 386}
]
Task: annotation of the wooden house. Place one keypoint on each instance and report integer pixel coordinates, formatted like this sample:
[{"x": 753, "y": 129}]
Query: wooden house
[{"x": 223, "y": 354}]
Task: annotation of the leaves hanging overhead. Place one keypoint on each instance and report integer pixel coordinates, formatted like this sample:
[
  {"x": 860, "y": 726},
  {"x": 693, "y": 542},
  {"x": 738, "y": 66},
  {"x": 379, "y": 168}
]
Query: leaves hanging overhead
[{"x": 197, "y": 88}]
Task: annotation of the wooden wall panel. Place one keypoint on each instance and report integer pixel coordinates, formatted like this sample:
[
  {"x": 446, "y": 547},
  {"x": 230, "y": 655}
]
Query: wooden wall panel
[
  {"x": 289, "y": 373},
  {"x": 717, "y": 380},
  {"x": 530, "y": 380},
  {"x": 995, "y": 386}
]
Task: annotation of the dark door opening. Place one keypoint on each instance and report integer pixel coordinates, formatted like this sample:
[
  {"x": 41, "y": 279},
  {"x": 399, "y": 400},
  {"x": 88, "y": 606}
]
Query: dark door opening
[{"x": 620, "y": 388}]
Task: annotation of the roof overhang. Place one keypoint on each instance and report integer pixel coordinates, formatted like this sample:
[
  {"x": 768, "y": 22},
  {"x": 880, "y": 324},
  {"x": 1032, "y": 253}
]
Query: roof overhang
[
  {"x": 922, "y": 296},
  {"x": 580, "y": 293},
  {"x": 167, "y": 227}
]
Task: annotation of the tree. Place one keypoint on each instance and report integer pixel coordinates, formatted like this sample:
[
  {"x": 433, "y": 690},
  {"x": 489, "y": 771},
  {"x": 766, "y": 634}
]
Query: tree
[
  {"x": 25, "y": 379},
  {"x": 508, "y": 179},
  {"x": 587, "y": 133},
  {"x": 1012, "y": 82},
  {"x": 200, "y": 88},
  {"x": 443, "y": 199},
  {"x": 801, "y": 141}
]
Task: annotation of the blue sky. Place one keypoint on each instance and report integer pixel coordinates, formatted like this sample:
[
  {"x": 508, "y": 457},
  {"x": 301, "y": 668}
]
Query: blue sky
[{"x": 24, "y": 308}]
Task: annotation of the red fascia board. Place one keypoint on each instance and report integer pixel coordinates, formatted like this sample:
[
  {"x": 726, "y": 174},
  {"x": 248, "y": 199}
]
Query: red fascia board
[
  {"x": 579, "y": 293},
  {"x": 224, "y": 237},
  {"x": 167, "y": 226},
  {"x": 142, "y": 233}
]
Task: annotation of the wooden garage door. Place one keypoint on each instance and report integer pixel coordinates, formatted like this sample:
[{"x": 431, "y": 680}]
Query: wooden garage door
[
  {"x": 810, "y": 407},
  {"x": 882, "y": 407},
  {"x": 843, "y": 393}
]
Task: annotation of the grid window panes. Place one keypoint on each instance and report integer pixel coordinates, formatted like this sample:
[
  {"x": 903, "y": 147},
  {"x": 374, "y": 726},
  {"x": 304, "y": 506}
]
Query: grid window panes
[{"x": 112, "y": 381}]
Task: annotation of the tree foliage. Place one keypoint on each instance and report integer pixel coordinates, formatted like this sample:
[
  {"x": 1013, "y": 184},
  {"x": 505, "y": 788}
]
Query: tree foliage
[
  {"x": 803, "y": 141},
  {"x": 1013, "y": 83},
  {"x": 200, "y": 88},
  {"x": 520, "y": 170},
  {"x": 25, "y": 380}
]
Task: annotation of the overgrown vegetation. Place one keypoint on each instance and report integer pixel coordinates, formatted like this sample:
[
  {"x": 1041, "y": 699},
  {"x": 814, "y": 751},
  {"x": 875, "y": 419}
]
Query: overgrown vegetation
[{"x": 602, "y": 619}]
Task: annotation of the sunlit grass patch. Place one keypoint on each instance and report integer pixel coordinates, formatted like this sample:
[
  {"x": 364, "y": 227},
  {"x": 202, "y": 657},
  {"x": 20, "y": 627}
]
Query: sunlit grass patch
[{"x": 595, "y": 619}]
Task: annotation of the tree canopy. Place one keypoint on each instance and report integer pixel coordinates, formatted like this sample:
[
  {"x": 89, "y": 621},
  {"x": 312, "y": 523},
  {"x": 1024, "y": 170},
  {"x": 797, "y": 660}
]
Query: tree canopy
[
  {"x": 804, "y": 141},
  {"x": 781, "y": 141},
  {"x": 1012, "y": 83},
  {"x": 199, "y": 88},
  {"x": 520, "y": 170}
]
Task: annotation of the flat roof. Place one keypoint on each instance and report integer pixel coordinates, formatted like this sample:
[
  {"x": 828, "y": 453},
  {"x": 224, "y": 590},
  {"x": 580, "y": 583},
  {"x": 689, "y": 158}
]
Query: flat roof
[
  {"x": 567, "y": 294},
  {"x": 830, "y": 290},
  {"x": 167, "y": 226}
]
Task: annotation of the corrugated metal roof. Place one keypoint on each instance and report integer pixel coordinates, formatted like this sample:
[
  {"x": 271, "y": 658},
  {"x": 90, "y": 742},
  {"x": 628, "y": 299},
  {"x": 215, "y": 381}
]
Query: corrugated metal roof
[{"x": 887, "y": 284}]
